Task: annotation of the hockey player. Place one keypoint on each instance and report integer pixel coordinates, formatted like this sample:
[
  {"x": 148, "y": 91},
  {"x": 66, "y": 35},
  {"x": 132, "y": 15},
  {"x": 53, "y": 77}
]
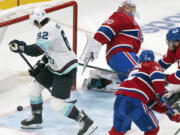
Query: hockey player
[
  {"x": 144, "y": 85},
  {"x": 123, "y": 38},
  {"x": 57, "y": 69},
  {"x": 173, "y": 55}
]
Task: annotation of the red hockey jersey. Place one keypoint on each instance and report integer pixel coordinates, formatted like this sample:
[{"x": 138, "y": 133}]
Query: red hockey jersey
[
  {"x": 169, "y": 59},
  {"x": 121, "y": 33},
  {"x": 144, "y": 82}
]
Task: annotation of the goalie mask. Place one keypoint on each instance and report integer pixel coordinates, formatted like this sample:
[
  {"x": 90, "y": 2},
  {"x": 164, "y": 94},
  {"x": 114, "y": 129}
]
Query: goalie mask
[
  {"x": 128, "y": 7},
  {"x": 38, "y": 15},
  {"x": 173, "y": 38}
]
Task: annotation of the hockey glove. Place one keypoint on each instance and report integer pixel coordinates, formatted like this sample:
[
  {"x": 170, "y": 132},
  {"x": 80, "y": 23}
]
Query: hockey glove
[
  {"x": 174, "y": 117},
  {"x": 91, "y": 50},
  {"x": 38, "y": 67},
  {"x": 17, "y": 46},
  {"x": 161, "y": 99}
]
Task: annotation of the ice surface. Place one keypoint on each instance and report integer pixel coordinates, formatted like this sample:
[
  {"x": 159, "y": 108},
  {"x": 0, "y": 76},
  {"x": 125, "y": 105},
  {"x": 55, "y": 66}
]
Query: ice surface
[{"x": 97, "y": 105}]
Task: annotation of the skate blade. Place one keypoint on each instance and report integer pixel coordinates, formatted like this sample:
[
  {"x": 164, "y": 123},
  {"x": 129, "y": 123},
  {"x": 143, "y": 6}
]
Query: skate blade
[
  {"x": 34, "y": 126},
  {"x": 91, "y": 129}
]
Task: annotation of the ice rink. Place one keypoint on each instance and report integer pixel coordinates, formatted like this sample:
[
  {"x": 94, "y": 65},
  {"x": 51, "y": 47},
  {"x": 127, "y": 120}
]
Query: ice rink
[{"x": 156, "y": 17}]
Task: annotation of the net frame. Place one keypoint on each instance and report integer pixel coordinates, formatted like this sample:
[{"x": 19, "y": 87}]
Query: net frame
[
  {"x": 49, "y": 10},
  {"x": 6, "y": 18}
]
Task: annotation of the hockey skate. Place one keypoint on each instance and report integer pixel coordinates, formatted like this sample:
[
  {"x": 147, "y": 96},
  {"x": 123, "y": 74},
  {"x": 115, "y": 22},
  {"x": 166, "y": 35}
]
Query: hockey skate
[
  {"x": 87, "y": 125},
  {"x": 34, "y": 122}
]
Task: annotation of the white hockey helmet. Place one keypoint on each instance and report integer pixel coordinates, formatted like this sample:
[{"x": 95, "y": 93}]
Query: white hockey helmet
[{"x": 38, "y": 14}]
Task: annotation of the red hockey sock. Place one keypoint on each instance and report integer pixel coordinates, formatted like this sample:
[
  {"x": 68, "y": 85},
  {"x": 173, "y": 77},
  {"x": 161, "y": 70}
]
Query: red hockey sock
[
  {"x": 114, "y": 132},
  {"x": 152, "y": 132}
]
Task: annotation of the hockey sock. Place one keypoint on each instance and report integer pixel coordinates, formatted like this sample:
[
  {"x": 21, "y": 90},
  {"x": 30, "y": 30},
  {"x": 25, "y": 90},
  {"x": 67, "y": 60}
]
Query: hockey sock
[
  {"x": 67, "y": 109},
  {"x": 74, "y": 113},
  {"x": 152, "y": 132},
  {"x": 36, "y": 102},
  {"x": 114, "y": 132}
]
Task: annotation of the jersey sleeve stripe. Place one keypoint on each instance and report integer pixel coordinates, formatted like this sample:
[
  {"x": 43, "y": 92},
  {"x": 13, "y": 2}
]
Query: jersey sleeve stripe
[
  {"x": 107, "y": 31},
  {"x": 177, "y": 74},
  {"x": 134, "y": 90},
  {"x": 164, "y": 64},
  {"x": 119, "y": 46},
  {"x": 145, "y": 79},
  {"x": 130, "y": 33},
  {"x": 104, "y": 35},
  {"x": 156, "y": 76},
  {"x": 43, "y": 44}
]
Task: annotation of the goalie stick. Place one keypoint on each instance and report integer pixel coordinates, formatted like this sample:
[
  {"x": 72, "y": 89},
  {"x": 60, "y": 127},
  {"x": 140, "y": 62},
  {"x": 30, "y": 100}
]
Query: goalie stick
[
  {"x": 86, "y": 63},
  {"x": 106, "y": 70},
  {"x": 178, "y": 131},
  {"x": 73, "y": 101}
]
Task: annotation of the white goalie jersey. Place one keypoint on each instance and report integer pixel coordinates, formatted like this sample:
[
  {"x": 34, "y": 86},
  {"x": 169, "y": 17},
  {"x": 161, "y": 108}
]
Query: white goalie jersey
[{"x": 53, "y": 41}]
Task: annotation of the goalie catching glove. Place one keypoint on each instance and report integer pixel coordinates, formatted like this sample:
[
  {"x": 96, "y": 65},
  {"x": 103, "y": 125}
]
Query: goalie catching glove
[
  {"x": 17, "y": 46},
  {"x": 91, "y": 50}
]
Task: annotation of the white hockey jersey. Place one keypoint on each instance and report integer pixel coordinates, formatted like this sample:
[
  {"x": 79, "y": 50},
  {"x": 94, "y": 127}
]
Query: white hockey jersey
[{"x": 53, "y": 41}]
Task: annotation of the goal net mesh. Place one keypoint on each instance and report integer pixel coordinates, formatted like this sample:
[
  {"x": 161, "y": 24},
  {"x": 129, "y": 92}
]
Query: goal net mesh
[{"x": 15, "y": 24}]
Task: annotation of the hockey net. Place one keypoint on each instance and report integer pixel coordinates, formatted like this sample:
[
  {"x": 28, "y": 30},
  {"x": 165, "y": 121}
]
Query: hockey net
[{"x": 15, "y": 24}]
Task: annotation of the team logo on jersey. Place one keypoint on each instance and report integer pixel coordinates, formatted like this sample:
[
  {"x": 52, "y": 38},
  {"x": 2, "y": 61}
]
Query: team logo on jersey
[{"x": 140, "y": 36}]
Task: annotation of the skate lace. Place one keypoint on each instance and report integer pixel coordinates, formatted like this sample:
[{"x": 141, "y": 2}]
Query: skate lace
[{"x": 31, "y": 117}]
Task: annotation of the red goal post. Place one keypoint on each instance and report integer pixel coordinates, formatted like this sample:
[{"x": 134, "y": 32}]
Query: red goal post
[
  {"x": 17, "y": 17},
  {"x": 48, "y": 10}
]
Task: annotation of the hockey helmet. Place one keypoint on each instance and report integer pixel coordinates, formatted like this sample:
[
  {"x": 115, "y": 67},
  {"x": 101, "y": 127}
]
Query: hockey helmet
[
  {"x": 173, "y": 38},
  {"x": 38, "y": 14},
  {"x": 146, "y": 55},
  {"x": 173, "y": 34}
]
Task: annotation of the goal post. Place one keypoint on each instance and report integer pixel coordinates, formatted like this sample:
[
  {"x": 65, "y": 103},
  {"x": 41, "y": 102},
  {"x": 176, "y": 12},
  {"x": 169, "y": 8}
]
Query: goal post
[
  {"x": 49, "y": 10},
  {"x": 15, "y": 24}
]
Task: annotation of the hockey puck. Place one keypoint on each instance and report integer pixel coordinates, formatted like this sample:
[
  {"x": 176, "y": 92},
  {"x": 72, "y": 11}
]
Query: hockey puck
[{"x": 20, "y": 108}]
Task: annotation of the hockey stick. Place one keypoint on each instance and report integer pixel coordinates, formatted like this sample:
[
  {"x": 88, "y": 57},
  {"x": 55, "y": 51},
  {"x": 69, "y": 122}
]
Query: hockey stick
[
  {"x": 106, "y": 70},
  {"x": 86, "y": 63},
  {"x": 27, "y": 62},
  {"x": 178, "y": 131}
]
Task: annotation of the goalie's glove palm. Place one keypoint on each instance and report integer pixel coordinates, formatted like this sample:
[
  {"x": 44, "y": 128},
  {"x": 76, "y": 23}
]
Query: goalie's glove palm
[
  {"x": 38, "y": 67},
  {"x": 17, "y": 46}
]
